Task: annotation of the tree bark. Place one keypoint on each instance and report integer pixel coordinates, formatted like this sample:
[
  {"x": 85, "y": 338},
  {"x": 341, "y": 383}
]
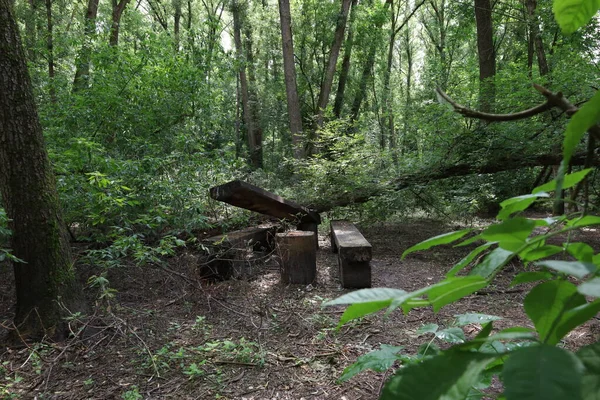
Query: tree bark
[
  {"x": 82, "y": 73},
  {"x": 535, "y": 41},
  {"x": 176, "y": 22},
  {"x": 345, "y": 69},
  {"x": 50, "y": 50},
  {"x": 46, "y": 285},
  {"x": 248, "y": 97},
  {"x": 338, "y": 38},
  {"x": 117, "y": 12},
  {"x": 367, "y": 71},
  {"x": 486, "y": 54},
  {"x": 31, "y": 29},
  {"x": 289, "y": 72}
]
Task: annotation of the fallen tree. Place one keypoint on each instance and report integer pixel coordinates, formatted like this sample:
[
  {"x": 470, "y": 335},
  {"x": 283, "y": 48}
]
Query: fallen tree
[
  {"x": 430, "y": 174},
  {"x": 505, "y": 163}
]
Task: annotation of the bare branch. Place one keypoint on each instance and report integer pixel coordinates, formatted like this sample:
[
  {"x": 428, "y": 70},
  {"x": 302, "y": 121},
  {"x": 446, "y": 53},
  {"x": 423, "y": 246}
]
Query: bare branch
[
  {"x": 467, "y": 112},
  {"x": 552, "y": 100}
]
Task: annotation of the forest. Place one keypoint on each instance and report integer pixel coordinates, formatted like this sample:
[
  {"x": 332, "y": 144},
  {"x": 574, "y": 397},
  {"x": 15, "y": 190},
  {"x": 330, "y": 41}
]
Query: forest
[{"x": 460, "y": 138}]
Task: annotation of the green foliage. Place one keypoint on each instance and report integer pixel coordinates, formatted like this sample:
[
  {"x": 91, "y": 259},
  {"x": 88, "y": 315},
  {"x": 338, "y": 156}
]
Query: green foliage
[
  {"x": 202, "y": 360},
  {"x": 530, "y": 365},
  {"x": 377, "y": 360},
  {"x": 132, "y": 394}
]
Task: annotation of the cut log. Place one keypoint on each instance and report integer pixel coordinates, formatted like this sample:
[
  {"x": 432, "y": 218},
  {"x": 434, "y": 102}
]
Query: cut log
[
  {"x": 354, "y": 254},
  {"x": 244, "y": 195},
  {"x": 229, "y": 252},
  {"x": 298, "y": 256}
]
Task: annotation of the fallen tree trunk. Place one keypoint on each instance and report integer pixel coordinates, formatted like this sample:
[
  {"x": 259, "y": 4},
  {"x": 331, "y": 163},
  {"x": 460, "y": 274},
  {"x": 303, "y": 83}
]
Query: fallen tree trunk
[{"x": 426, "y": 175}]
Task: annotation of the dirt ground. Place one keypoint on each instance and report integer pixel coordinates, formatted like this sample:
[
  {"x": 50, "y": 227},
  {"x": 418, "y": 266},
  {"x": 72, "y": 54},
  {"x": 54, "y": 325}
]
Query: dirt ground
[{"x": 168, "y": 335}]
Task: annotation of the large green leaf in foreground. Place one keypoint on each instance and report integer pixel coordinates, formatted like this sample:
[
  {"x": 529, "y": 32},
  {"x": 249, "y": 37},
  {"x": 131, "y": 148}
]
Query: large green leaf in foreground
[
  {"x": 573, "y": 14},
  {"x": 546, "y": 302},
  {"x": 448, "y": 376},
  {"x": 590, "y": 357},
  {"x": 445, "y": 238},
  {"x": 542, "y": 373}
]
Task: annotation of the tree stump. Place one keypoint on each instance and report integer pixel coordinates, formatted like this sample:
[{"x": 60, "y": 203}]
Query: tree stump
[{"x": 298, "y": 256}]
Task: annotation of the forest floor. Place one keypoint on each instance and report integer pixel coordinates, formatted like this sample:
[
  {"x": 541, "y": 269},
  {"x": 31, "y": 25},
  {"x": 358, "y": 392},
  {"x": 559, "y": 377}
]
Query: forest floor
[{"x": 167, "y": 335}]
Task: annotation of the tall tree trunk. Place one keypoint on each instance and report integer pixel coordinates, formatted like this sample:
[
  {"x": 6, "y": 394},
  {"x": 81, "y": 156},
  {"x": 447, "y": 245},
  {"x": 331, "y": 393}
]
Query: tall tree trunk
[
  {"x": 408, "y": 100},
  {"x": 345, "y": 69},
  {"x": 438, "y": 38},
  {"x": 46, "y": 284},
  {"x": 535, "y": 41},
  {"x": 388, "y": 125},
  {"x": 256, "y": 154},
  {"x": 82, "y": 73},
  {"x": 486, "y": 53},
  {"x": 31, "y": 29},
  {"x": 338, "y": 38},
  {"x": 176, "y": 22},
  {"x": 50, "y": 50},
  {"x": 366, "y": 72},
  {"x": 117, "y": 12},
  {"x": 248, "y": 97},
  {"x": 289, "y": 72}
]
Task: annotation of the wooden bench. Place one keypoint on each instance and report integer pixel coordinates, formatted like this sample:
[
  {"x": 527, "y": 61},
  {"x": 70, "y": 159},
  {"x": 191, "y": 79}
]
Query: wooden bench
[
  {"x": 229, "y": 252},
  {"x": 244, "y": 195},
  {"x": 354, "y": 254}
]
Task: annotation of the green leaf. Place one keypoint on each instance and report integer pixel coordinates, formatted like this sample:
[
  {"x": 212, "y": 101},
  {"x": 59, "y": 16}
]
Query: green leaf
[
  {"x": 510, "y": 234},
  {"x": 570, "y": 180},
  {"x": 485, "y": 331},
  {"x": 427, "y": 328},
  {"x": 359, "y": 310},
  {"x": 468, "y": 241},
  {"x": 581, "y": 121},
  {"x": 467, "y": 260},
  {"x": 428, "y": 350},
  {"x": 590, "y": 288},
  {"x": 538, "y": 253},
  {"x": 581, "y": 251},
  {"x": 452, "y": 289},
  {"x": 530, "y": 276},
  {"x": 542, "y": 373},
  {"x": 447, "y": 376},
  {"x": 590, "y": 357},
  {"x": 573, "y": 318},
  {"x": 574, "y": 268},
  {"x": 573, "y": 14},
  {"x": 446, "y": 238},
  {"x": 451, "y": 335},
  {"x": 584, "y": 221},
  {"x": 378, "y": 360},
  {"x": 474, "y": 318},
  {"x": 546, "y": 302},
  {"x": 367, "y": 296},
  {"x": 514, "y": 333},
  {"x": 518, "y": 203},
  {"x": 491, "y": 263}
]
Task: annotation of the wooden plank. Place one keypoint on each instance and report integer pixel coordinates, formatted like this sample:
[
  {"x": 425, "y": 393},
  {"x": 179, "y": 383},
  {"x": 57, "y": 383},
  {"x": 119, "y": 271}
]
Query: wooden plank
[
  {"x": 298, "y": 256},
  {"x": 259, "y": 235},
  {"x": 229, "y": 252},
  {"x": 244, "y": 195},
  {"x": 354, "y": 254},
  {"x": 347, "y": 240}
]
